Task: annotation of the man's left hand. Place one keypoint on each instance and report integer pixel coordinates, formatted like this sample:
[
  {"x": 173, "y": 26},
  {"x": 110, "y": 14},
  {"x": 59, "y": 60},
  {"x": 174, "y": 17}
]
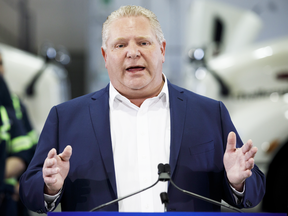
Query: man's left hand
[{"x": 238, "y": 162}]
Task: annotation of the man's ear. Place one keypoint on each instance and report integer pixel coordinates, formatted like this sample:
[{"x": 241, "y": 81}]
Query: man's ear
[
  {"x": 163, "y": 49},
  {"x": 104, "y": 55}
]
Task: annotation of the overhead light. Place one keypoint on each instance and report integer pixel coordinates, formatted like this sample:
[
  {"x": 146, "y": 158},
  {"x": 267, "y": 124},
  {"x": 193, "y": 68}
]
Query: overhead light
[{"x": 196, "y": 54}]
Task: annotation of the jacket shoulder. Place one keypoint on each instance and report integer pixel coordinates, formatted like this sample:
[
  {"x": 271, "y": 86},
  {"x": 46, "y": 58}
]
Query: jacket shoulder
[{"x": 84, "y": 99}]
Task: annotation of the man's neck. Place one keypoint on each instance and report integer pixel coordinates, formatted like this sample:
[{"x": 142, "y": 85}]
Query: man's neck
[{"x": 140, "y": 100}]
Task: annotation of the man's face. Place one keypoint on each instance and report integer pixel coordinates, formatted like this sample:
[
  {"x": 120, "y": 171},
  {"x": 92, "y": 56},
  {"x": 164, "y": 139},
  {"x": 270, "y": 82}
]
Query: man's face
[{"x": 134, "y": 57}]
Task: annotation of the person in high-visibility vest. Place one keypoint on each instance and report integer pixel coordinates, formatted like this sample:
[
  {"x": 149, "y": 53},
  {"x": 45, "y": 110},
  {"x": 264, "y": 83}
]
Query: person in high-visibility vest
[
  {"x": 20, "y": 141},
  {"x": 3, "y": 135}
]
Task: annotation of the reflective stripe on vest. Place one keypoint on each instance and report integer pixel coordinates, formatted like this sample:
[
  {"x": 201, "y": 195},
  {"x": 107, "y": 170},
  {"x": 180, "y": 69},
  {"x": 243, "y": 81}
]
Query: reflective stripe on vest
[
  {"x": 11, "y": 181},
  {"x": 4, "y": 135},
  {"x": 20, "y": 143},
  {"x": 33, "y": 136},
  {"x": 17, "y": 106}
]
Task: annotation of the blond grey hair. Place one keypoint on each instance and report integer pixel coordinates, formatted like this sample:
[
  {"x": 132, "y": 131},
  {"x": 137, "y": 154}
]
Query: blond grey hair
[{"x": 128, "y": 11}]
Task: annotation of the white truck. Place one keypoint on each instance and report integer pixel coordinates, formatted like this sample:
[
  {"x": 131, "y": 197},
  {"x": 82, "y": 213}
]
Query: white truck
[{"x": 251, "y": 80}]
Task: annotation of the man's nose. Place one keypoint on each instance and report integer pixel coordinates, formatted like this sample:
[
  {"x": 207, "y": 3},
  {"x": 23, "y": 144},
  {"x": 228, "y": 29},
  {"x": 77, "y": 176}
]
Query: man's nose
[{"x": 133, "y": 51}]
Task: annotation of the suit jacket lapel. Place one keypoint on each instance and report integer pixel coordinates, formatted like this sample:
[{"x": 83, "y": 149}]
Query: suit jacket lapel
[
  {"x": 99, "y": 113},
  {"x": 177, "y": 116}
]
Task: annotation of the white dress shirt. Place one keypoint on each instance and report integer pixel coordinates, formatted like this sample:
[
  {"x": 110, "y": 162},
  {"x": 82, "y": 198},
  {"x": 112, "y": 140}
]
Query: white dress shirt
[{"x": 140, "y": 141}]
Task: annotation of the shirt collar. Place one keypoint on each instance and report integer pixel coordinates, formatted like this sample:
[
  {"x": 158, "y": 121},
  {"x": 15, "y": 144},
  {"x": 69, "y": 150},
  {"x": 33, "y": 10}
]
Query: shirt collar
[{"x": 115, "y": 96}]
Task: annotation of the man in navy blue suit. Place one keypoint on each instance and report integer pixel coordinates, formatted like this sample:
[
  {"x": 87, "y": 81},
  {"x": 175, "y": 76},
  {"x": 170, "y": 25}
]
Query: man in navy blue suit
[{"x": 120, "y": 133}]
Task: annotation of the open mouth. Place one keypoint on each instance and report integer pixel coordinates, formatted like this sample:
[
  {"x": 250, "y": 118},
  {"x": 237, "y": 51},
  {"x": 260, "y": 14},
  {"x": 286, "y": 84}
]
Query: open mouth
[{"x": 135, "y": 68}]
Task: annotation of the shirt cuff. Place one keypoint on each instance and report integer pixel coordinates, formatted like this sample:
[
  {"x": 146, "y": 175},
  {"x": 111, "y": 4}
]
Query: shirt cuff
[
  {"x": 50, "y": 200},
  {"x": 238, "y": 195}
]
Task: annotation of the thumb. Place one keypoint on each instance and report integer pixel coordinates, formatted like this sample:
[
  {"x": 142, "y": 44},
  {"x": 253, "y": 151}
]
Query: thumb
[
  {"x": 231, "y": 142},
  {"x": 66, "y": 154}
]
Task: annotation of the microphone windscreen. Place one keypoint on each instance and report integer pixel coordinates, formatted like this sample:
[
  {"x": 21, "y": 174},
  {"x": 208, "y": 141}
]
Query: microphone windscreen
[
  {"x": 167, "y": 168},
  {"x": 161, "y": 168}
]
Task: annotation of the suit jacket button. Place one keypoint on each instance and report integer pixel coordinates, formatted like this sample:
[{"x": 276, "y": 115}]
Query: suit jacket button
[{"x": 248, "y": 203}]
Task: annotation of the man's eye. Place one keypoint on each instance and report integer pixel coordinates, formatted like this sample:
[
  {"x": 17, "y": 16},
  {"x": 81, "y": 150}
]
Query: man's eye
[
  {"x": 144, "y": 43},
  {"x": 119, "y": 46}
]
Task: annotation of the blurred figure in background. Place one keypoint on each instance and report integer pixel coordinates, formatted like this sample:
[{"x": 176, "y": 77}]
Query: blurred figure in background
[
  {"x": 3, "y": 133},
  {"x": 20, "y": 141}
]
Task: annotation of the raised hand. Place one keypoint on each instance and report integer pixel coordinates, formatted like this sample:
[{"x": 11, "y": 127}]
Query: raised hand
[
  {"x": 55, "y": 170},
  {"x": 238, "y": 162}
]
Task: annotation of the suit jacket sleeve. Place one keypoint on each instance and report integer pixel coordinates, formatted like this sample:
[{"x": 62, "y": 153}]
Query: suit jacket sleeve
[
  {"x": 254, "y": 185},
  {"x": 31, "y": 182}
]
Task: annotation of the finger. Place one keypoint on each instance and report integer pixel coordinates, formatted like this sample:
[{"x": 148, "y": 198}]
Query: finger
[
  {"x": 247, "y": 146},
  {"x": 52, "y": 153},
  {"x": 251, "y": 153},
  {"x": 49, "y": 163},
  {"x": 249, "y": 164},
  {"x": 247, "y": 174},
  {"x": 50, "y": 180},
  {"x": 231, "y": 142},
  {"x": 50, "y": 171},
  {"x": 66, "y": 154}
]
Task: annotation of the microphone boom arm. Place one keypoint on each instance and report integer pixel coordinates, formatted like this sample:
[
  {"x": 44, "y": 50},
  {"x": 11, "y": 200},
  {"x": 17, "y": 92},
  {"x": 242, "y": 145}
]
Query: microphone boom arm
[
  {"x": 204, "y": 198},
  {"x": 117, "y": 200}
]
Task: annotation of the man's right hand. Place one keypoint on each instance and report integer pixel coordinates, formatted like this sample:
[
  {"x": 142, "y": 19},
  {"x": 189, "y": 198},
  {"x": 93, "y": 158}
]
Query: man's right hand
[{"x": 55, "y": 170}]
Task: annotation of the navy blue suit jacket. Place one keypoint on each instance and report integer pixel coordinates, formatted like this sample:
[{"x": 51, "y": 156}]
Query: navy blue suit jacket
[{"x": 199, "y": 130}]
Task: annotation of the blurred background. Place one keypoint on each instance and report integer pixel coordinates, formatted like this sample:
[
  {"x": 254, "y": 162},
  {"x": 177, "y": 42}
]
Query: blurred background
[
  {"x": 235, "y": 51},
  {"x": 76, "y": 25}
]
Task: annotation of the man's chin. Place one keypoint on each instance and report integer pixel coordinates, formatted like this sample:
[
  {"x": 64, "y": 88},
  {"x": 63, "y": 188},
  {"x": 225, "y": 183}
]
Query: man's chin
[{"x": 137, "y": 85}]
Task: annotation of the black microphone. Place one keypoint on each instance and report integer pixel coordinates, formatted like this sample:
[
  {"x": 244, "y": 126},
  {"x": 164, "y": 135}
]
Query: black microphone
[
  {"x": 161, "y": 170},
  {"x": 167, "y": 171},
  {"x": 164, "y": 199},
  {"x": 163, "y": 175}
]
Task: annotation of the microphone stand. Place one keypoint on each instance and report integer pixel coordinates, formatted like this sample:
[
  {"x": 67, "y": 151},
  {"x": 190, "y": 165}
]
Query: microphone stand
[
  {"x": 117, "y": 200},
  {"x": 167, "y": 171},
  {"x": 205, "y": 198},
  {"x": 164, "y": 175}
]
